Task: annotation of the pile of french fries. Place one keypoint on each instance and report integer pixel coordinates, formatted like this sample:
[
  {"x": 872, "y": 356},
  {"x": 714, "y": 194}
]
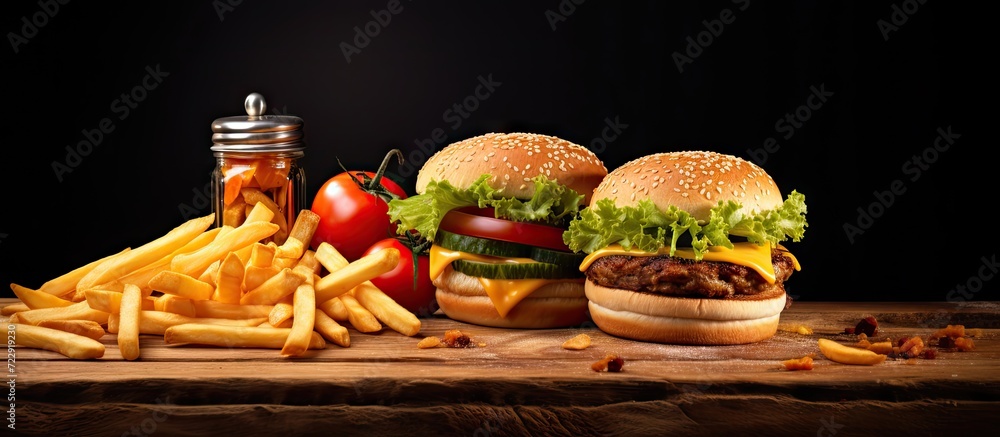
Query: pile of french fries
[{"x": 220, "y": 286}]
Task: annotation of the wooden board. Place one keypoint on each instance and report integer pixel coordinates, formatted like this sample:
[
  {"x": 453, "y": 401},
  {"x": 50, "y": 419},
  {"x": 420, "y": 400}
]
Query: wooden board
[{"x": 521, "y": 382}]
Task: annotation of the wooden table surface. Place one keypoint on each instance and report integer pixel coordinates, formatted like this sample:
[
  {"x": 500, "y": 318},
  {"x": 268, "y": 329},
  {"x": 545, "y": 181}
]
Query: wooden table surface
[{"x": 523, "y": 383}]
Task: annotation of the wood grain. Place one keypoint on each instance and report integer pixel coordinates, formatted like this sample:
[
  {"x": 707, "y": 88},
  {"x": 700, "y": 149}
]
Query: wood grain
[{"x": 523, "y": 383}]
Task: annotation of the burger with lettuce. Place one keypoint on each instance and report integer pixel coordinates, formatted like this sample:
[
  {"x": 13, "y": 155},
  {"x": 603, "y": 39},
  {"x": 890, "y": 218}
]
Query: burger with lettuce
[
  {"x": 685, "y": 248},
  {"x": 496, "y": 207}
]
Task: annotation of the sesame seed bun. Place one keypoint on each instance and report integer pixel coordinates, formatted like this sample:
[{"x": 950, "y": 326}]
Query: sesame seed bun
[
  {"x": 693, "y": 181},
  {"x": 514, "y": 159}
]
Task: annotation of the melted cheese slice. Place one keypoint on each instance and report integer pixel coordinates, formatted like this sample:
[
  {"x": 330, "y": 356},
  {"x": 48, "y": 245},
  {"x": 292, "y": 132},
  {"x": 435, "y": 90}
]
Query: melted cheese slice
[
  {"x": 504, "y": 293},
  {"x": 749, "y": 255}
]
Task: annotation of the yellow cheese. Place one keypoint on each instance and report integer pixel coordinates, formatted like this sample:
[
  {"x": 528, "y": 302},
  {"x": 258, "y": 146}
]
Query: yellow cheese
[
  {"x": 504, "y": 293},
  {"x": 750, "y": 255},
  {"x": 441, "y": 258}
]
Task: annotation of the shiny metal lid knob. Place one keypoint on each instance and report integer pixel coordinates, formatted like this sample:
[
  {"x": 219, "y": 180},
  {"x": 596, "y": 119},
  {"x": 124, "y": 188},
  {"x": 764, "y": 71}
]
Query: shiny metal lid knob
[{"x": 255, "y": 105}]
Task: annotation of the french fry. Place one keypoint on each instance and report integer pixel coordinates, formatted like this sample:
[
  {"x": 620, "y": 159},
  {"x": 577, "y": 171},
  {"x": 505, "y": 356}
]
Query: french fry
[
  {"x": 35, "y": 299},
  {"x": 128, "y": 324},
  {"x": 308, "y": 259},
  {"x": 194, "y": 263},
  {"x": 234, "y": 336},
  {"x": 169, "y": 303},
  {"x": 360, "y": 318},
  {"x": 369, "y": 266},
  {"x": 208, "y": 276},
  {"x": 386, "y": 309},
  {"x": 254, "y": 196},
  {"x": 254, "y": 276},
  {"x": 284, "y": 263},
  {"x": 304, "y": 320},
  {"x": 258, "y": 213},
  {"x": 848, "y": 355},
  {"x": 121, "y": 265},
  {"x": 376, "y": 301},
  {"x": 229, "y": 281},
  {"x": 300, "y": 235},
  {"x": 234, "y": 213},
  {"x": 14, "y": 308},
  {"x": 110, "y": 301},
  {"x": 181, "y": 285},
  {"x": 335, "y": 309},
  {"x": 219, "y": 310},
  {"x": 67, "y": 282},
  {"x": 76, "y": 311},
  {"x": 157, "y": 322},
  {"x": 331, "y": 330},
  {"x": 142, "y": 276},
  {"x": 261, "y": 255},
  {"x": 70, "y": 345},
  {"x": 287, "y": 323},
  {"x": 272, "y": 290},
  {"x": 85, "y": 328},
  {"x": 282, "y": 311}
]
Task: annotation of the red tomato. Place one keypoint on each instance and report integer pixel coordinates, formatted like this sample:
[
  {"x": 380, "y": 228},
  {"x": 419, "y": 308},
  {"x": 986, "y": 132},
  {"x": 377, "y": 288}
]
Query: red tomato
[
  {"x": 398, "y": 282},
  {"x": 476, "y": 222},
  {"x": 351, "y": 218}
]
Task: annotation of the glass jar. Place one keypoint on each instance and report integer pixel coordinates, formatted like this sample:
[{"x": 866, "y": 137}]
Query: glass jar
[{"x": 257, "y": 161}]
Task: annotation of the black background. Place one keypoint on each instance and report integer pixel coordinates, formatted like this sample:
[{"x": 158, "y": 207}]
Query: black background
[{"x": 601, "y": 61}]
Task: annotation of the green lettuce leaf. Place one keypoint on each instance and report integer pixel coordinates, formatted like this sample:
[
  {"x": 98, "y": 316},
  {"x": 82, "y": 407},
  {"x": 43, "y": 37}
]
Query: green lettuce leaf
[
  {"x": 646, "y": 228},
  {"x": 552, "y": 204}
]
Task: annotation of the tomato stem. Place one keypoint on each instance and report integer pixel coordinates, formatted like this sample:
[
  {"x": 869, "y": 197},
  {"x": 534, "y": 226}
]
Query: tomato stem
[
  {"x": 376, "y": 181},
  {"x": 372, "y": 185},
  {"x": 417, "y": 246}
]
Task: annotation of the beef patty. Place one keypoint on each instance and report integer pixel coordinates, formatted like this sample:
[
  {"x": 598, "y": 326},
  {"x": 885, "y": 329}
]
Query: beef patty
[{"x": 683, "y": 277}]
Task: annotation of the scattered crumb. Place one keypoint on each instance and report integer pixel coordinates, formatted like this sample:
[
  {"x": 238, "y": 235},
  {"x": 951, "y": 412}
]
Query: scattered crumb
[
  {"x": 610, "y": 362},
  {"x": 578, "y": 343},
  {"x": 796, "y": 328},
  {"x": 429, "y": 342},
  {"x": 804, "y": 363},
  {"x": 452, "y": 338}
]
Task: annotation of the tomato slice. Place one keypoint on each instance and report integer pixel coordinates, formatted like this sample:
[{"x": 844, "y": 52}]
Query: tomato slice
[{"x": 480, "y": 222}]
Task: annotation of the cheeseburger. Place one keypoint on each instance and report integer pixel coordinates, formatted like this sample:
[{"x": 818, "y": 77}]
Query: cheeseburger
[
  {"x": 684, "y": 248},
  {"x": 496, "y": 207}
]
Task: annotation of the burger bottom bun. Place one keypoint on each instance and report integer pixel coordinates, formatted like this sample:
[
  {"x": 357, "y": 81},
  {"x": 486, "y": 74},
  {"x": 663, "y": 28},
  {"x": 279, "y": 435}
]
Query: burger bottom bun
[
  {"x": 462, "y": 297},
  {"x": 680, "y": 320}
]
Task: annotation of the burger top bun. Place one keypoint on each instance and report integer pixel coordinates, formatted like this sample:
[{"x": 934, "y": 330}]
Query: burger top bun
[
  {"x": 514, "y": 160},
  {"x": 693, "y": 181}
]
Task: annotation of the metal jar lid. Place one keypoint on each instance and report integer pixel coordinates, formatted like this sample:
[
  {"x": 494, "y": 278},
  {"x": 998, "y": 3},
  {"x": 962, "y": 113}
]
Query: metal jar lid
[{"x": 257, "y": 132}]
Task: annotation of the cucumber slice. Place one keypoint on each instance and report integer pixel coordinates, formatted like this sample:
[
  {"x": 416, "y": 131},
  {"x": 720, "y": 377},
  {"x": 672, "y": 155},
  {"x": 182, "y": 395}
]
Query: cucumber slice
[
  {"x": 481, "y": 246},
  {"x": 564, "y": 259},
  {"x": 516, "y": 271}
]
